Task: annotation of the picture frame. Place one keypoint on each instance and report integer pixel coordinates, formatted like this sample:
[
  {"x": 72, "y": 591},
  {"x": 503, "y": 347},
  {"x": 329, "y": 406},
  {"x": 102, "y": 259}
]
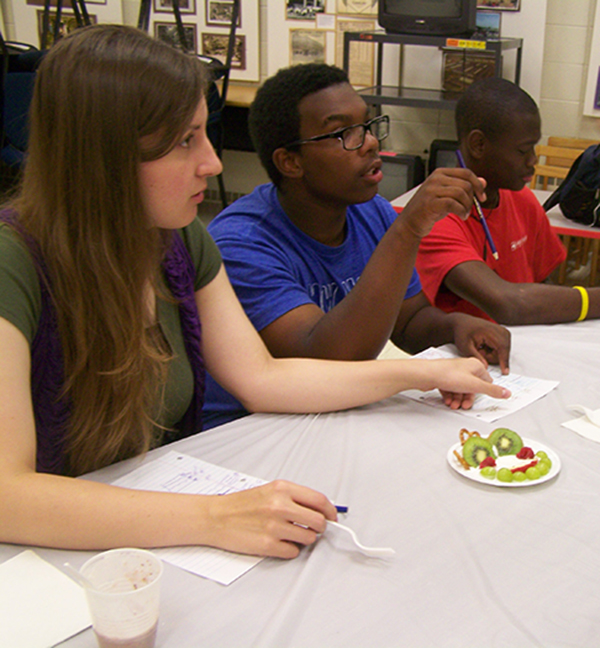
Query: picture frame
[
  {"x": 357, "y": 7},
  {"x": 299, "y": 10},
  {"x": 307, "y": 46},
  {"x": 167, "y": 31},
  {"x": 488, "y": 25},
  {"x": 215, "y": 45},
  {"x": 42, "y": 3},
  {"x": 597, "y": 93},
  {"x": 166, "y": 6},
  {"x": 362, "y": 54},
  {"x": 68, "y": 23},
  {"x": 218, "y": 13},
  {"x": 500, "y": 5}
]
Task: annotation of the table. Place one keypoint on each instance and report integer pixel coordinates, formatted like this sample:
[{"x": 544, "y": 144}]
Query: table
[{"x": 476, "y": 565}]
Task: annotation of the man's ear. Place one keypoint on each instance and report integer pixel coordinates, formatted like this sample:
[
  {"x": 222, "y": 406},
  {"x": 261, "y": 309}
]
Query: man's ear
[
  {"x": 288, "y": 163},
  {"x": 476, "y": 144}
]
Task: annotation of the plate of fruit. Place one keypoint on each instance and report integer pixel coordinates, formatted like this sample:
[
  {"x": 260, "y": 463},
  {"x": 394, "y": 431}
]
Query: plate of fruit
[{"x": 503, "y": 459}]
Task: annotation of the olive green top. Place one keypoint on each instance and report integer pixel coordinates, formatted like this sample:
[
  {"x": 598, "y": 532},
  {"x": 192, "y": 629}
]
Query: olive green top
[{"x": 21, "y": 303}]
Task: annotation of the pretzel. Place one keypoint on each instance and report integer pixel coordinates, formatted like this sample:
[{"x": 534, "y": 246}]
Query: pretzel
[
  {"x": 464, "y": 434},
  {"x": 461, "y": 460}
]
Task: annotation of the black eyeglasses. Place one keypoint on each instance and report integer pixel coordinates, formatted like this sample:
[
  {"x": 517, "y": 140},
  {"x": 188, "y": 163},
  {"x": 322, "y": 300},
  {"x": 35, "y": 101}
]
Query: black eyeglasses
[{"x": 353, "y": 137}]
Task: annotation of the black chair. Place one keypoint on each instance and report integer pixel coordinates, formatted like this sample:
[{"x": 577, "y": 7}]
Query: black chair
[
  {"x": 217, "y": 96},
  {"x": 18, "y": 70}
]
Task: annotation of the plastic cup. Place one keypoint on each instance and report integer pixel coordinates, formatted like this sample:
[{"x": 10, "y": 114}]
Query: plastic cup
[{"x": 124, "y": 601}]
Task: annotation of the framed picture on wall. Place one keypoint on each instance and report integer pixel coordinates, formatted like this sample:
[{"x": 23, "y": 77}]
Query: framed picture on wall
[
  {"x": 215, "y": 45},
  {"x": 168, "y": 32},
  {"x": 307, "y": 46},
  {"x": 218, "y": 13},
  {"x": 166, "y": 6},
  {"x": 362, "y": 54},
  {"x": 362, "y": 7},
  {"x": 301, "y": 10},
  {"x": 42, "y": 3},
  {"x": 500, "y": 5},
  {"x": 68, "y": 23}
]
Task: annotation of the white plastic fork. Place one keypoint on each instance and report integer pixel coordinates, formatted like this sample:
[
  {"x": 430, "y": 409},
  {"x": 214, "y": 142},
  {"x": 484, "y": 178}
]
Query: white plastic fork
[
  {"x": 591, "y": 415},
  {"x": 374, "y": 552}
]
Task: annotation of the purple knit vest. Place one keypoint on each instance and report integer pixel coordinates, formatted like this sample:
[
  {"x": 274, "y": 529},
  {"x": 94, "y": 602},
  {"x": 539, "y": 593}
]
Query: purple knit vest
[{"x": 47, "y": 368}]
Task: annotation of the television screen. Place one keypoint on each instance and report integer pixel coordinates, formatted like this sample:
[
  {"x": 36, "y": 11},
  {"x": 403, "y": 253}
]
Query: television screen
[
  {"x": 442, "y": 153},
  {"x": 428, "y": 17},
  {"x": 425, "y": 8},
  {"x": 400, "y": 174}
]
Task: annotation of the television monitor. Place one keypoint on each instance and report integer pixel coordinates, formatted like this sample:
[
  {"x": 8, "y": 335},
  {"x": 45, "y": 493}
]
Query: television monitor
[
  {"x": 428, "y": 17},
  {"x": 442, "y": 153},
  {"x": 400, "y": 174}
]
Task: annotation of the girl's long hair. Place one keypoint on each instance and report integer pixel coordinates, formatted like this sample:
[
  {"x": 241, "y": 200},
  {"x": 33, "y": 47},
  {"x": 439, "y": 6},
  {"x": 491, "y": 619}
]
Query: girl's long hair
[{"x": 107, "y": 98}]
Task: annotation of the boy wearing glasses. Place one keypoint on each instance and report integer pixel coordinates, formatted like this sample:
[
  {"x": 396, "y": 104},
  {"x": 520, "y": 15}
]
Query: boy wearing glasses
[{"x": 322, "y": 264}]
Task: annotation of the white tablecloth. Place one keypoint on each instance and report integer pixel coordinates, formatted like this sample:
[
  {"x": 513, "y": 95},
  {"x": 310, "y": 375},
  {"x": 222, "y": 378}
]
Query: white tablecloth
[{"x": 476, "y": 565}]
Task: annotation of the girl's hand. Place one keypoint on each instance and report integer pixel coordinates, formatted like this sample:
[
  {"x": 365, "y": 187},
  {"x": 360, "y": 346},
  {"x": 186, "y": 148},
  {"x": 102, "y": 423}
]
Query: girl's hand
[
  {"x": 461, "y": 379},
  {"x": 270, "y": 520}
]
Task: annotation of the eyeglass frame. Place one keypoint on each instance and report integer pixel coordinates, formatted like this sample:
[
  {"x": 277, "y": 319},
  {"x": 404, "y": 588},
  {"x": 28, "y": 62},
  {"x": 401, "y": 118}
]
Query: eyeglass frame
[{"x": 339, "y": 134}]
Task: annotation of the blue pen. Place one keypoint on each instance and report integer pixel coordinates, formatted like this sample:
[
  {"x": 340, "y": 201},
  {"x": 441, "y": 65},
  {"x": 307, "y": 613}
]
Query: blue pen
[
  {"x": 486, "y": 229},
  {"x": 341, "y": 509}
]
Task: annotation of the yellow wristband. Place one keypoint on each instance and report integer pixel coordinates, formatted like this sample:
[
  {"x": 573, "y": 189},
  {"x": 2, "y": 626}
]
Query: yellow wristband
[{"x": 585, "y": 302}]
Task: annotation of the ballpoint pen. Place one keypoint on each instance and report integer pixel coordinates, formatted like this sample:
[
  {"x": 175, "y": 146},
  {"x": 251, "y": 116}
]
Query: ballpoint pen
[{"x": 486, "y": 229}]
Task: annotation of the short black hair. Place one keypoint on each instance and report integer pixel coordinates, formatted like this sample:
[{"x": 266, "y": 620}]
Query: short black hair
[
  {"x": 490, "y": 106},
  {"x": 274, "y": 120}
]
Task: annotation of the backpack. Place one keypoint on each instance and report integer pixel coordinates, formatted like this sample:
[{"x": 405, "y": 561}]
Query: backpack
[{"x": 579, "y": 193}]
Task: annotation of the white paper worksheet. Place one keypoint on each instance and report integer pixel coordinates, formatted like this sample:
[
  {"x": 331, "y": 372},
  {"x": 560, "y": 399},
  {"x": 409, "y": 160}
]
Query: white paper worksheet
[
  {"x": 179, "y": 473},
  {"x": 524, "y": 390}
]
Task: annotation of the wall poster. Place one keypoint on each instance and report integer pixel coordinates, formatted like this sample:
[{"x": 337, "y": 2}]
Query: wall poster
[{"x": 362, "y": 55}]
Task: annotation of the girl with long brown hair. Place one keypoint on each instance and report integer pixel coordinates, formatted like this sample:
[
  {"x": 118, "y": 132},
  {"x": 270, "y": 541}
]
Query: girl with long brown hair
[{"x": 113, "y": 301}]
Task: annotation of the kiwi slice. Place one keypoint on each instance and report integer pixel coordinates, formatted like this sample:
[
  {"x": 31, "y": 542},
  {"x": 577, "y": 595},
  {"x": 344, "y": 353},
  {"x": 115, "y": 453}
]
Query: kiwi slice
[
  {"x": 476, "y": 449},
  {"x": 506, "y": 441}
]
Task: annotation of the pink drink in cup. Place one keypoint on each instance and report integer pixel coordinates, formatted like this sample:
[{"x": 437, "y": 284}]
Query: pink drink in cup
[{"x": 124, "y": 601}]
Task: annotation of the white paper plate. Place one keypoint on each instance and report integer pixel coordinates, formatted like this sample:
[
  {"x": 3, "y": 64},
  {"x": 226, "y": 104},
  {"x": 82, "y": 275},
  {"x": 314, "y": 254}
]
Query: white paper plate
[{"x": 475, "y": 475}]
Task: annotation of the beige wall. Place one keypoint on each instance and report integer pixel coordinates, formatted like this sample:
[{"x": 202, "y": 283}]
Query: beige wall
[
  {"x": 567, "y": 43},
  {"x": 564, "y": 73}
]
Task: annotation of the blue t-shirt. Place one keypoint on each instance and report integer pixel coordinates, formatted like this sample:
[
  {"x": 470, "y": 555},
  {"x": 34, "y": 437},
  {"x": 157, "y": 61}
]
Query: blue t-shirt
[{"x": 275, "y": 267}]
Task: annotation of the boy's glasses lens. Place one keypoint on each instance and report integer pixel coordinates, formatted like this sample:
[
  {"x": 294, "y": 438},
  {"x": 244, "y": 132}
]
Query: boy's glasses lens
[{"x": 354, "y": 137}]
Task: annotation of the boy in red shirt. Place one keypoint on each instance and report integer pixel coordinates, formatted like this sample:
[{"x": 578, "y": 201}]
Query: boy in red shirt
[{"x": 498, "y": 125}]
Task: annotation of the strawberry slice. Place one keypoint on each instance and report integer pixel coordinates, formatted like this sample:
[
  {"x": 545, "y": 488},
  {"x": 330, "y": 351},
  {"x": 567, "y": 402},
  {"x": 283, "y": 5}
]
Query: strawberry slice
[
  {"x": 488, "y": 461},
  {"x": 524, "y": 468},
  {"x": 525, "y": 453}
]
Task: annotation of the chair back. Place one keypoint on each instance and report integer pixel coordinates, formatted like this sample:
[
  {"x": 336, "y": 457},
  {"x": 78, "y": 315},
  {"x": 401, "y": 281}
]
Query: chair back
[
  {"x": 568, "y": 142},
  {"x": 553, "y": 164},
  {"x": 18, "y": 70}
]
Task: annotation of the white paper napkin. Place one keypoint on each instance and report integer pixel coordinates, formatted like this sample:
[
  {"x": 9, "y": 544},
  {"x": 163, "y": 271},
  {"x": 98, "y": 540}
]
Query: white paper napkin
[
  {"x": 39, "y": 605},
  {"x": 583, "y": 426}
]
